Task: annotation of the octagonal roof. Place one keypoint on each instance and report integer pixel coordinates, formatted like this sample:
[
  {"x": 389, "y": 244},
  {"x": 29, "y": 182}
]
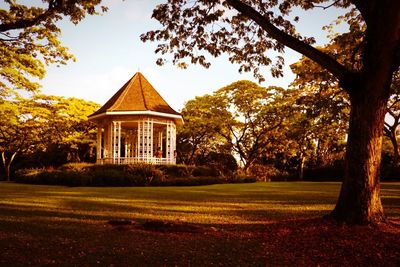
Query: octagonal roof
[{"x": 136, "y": 97}]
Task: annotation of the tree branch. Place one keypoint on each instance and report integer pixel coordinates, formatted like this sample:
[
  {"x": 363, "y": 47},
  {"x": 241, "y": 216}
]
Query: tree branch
[
  {"x": 328, "y": 6},
  {"x": 338, "y": 70},
  {"x": 54, "y": 6}
]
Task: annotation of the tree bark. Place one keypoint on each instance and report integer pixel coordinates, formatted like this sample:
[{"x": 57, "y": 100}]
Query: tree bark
[
  {"x": 301, "y": 167},
  {"x": 7, "y": 165},
  {"x": 396, "y": 154},
  {"x": 359, "y": 200},
  {"x": 3, "y": 157}
]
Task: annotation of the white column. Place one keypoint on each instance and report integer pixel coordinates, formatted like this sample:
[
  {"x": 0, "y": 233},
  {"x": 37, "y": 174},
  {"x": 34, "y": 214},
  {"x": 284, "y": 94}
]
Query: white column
[
  {"x": 146, "y": 136},
  {"x": 160, "y": 140},
  {"x": 98, "y": 155},
  {"x": 111, "y": 143},
  {"x": 106, "y": 141},
  {"x": 138, "y": 141},
  {"x": 119, "y": 142},
  {"x": 143, "y": 140},
  {"x": 132, "y": 142},
  {"x": 151, "y": 140},
  {"x": 127, "y": 145},
  {"x": 167, "y": 144},
  {"x": 116, "y": 141},
  {"x": 173, "y": 142},
  {"x": 114, "y": 136}
]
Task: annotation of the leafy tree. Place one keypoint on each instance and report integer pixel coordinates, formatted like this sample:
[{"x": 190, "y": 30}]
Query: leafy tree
[
  {"x": 70, "y": 128},
  {"x": 313, "y": 135},
  {"x": 29, "y": 39},
  {"x": 323, "y": 109},
  {"x": 21, "y": 129},
  {"x": 224, "y": 163},
  {"x": 247, "y": 29},
  {"x": 255, "y": 116},
  {"x": 41, "y": 123},
  {"x": 316, "y": 130},
  {"x": 198, "y": 136},
  {"x": 241, "y": 118}
]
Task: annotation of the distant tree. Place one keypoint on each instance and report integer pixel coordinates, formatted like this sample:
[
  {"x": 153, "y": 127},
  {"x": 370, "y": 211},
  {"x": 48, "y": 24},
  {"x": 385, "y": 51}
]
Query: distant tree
[
  {"x": 198, "y": 136},
  {"x": 314, "y": 131},
  {"x": 40, "y": 123},
  {"x": 323, "y": 108},
  {"x": 29, "y": 39},
  {"x": 69, "y": 126},
  {"x": 240, "y": 118},
  {"x": 21, "y": 128},
  {"x": 224, "y": 163},
  {"x": 255, "y": 115},
  {"x": 247, "y": 29}
]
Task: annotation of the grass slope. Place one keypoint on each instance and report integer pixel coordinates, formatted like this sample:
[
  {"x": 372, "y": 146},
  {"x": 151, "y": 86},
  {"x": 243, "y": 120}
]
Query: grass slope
[{"x": 262, "y": 224}]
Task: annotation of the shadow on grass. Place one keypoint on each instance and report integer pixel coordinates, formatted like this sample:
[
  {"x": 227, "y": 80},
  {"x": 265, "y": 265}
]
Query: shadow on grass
[{"x": 300, "y": 242}]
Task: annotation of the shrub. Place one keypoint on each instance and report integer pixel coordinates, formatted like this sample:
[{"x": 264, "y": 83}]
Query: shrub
[
  {"x": 190, "y": 181},
  {"x": 93, "y": 175},
  {"x": 27, "y": 172},
  {"x": 123, "y": 175},
  {"x": 199, "y": 171},
  {"x": 104, "y": 177},
  {"x": 147, "y": 173},
  {"x": 103, "y": 167},
  {"x": 225, "y": 163},
  {"x": 70, "y": 178},
  {"x": 264, "y": 173},
  {"x": 76, "y": 166},
  {"x": 241, "y": 177},
  {"x": 176, "y": 170}
]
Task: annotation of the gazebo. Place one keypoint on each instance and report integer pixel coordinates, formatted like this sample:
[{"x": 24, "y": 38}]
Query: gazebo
[{"x": 136, "y": 125}]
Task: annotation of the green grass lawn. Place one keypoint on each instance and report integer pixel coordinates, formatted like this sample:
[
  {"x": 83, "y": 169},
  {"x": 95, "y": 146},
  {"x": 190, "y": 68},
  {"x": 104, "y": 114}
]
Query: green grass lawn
[{"x": 53, "y": 225}]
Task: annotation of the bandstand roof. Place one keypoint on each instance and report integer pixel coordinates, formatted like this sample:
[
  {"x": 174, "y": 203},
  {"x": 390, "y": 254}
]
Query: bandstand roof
[{"x": 137, "y": 97}]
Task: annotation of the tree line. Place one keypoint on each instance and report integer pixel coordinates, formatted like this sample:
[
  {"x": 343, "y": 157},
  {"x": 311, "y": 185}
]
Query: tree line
[
  {"x": 42, "y": 131},
  {"x": 277, "y": 131}
]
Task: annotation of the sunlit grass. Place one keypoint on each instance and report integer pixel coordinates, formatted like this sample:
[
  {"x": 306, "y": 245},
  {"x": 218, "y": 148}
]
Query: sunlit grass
[{"x": 218, "y": 204}]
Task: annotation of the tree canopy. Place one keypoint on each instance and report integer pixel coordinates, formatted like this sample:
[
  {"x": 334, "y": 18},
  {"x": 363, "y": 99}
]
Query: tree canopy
[
  {"x": 48, "y": 129},
  {"x": 256, "y": 113},
  {"x": 29, "y": 39}
]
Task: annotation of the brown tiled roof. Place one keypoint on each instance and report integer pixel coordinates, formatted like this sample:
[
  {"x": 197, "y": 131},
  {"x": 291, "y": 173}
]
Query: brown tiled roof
[{"x": 136, "y": 95}]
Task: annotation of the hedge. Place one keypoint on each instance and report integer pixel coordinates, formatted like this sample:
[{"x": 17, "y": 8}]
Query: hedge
[{"x": 124, "y": 175}]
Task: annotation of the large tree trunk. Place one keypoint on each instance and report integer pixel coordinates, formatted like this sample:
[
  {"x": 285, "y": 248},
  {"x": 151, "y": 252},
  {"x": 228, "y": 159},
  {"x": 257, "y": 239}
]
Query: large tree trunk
[{"x": 359, "y": 201}]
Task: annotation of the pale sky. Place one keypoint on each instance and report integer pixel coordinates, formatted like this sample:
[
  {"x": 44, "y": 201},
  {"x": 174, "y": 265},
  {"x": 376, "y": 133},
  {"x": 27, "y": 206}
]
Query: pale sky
[{"x": 109, "y": 52}]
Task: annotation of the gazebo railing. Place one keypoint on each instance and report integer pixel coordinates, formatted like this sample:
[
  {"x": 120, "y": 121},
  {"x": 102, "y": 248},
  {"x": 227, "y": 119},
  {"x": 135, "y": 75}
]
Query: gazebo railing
[{"x": 148, "y": 160}]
